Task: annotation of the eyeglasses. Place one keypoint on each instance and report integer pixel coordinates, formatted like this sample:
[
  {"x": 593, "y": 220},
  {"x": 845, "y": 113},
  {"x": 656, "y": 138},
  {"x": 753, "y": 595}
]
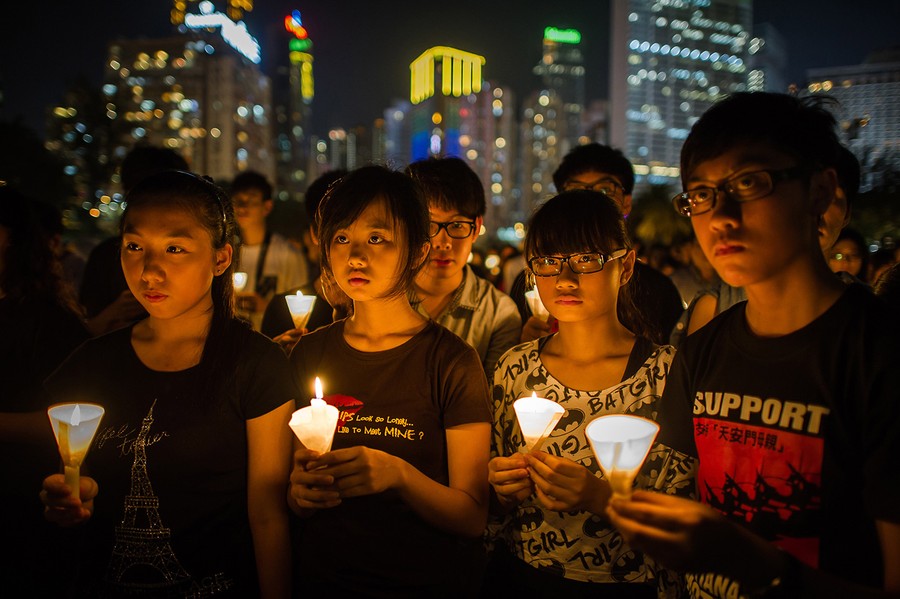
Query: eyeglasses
[
  {"x": 457, "y": 229},
  {"x": 740, "y": 188},
  {"x": 844, "y": 257},
  {"x": 580, "y": 264},
  {"x": 605, "y": 185}
]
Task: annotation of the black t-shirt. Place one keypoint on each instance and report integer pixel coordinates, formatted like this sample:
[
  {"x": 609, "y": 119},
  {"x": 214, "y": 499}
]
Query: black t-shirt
[
  {"x": 798, "y": 435},
  {"x": 399, "y": 401},
  {"x": 171, "y": 514}
]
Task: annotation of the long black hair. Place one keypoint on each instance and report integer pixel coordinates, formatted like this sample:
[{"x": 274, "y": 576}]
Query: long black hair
[{"x": 585, "y": 221}]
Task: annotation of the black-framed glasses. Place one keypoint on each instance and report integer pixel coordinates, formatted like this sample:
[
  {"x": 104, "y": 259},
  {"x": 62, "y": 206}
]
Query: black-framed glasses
[
  {"x": 605, "y": 185},
  {"x": 745, "y": 187},
  {"x": 457, "y": 229},
  {"x": 581, "y": 264}
]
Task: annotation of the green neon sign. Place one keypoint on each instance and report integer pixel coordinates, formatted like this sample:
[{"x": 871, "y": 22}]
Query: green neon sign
[
  {"x": 562, "y": 36},
  {"x": 297, "y": 45}
]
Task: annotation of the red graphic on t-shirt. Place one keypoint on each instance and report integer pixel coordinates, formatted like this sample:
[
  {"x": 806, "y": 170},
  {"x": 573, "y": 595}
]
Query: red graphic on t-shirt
[
  {"x": 347, "y": 405},
  {"x": 768, "y": 479}
]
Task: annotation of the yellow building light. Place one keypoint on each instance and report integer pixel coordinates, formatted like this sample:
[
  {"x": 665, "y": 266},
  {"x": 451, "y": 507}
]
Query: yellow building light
[{"x": 460, "y": 73}]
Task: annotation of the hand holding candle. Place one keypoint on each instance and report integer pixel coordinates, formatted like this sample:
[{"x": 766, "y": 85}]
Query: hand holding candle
[
  {"x": 300, "y": 307},
  {"x": 537, "y": 417},
  {"x": 621, "y": 444},
  {"x": 315, "y": 425},
  {"x": 74, "y": 426}
]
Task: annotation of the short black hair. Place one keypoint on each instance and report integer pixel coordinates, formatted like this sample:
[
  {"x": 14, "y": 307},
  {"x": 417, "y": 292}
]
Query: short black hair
[
  {"x": 317, "y": 190},
  {"x": 802, "y": 128},
  {"x": 405, "y": 205},
  {"x": 595, "y": 157},
  {"x": 249, "y": 180},
  {"x": 450, "y": 184},
  {"x": 145, "y": 160},
  {"x": 848, "y": 173}
]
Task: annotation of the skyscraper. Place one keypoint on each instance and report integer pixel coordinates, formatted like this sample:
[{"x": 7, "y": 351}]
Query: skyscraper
[
  {"x": 867, "y": 111},
  {"x": 562, "y": 71},
  {"x": 671, "y": 60}
]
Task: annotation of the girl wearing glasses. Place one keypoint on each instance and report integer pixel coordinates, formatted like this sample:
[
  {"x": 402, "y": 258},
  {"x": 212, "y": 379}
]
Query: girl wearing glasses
[
  {"x": 551, "y": 534},
  {"x": 398, "y": 506}
]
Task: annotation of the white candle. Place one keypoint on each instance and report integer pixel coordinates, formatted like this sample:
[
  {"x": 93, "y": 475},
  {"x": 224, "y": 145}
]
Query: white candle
[
  {"x": 74, "y": 426},
  {"x": 315, "y": 425}
]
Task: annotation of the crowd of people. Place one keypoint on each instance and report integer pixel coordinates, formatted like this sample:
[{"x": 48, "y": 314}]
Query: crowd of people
[{"x": 760, "y": 345}]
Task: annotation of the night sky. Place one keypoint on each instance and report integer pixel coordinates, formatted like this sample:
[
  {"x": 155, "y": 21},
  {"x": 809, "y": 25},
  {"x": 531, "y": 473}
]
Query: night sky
[{"x": 363, "y": 48}]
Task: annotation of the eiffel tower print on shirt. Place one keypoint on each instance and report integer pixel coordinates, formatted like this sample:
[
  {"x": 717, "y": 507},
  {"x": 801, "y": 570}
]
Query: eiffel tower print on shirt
[{"x": 142, "y": 559}]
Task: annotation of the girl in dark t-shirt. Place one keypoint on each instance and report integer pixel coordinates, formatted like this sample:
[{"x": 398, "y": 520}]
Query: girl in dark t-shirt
[{"x": 398, "y": 506}]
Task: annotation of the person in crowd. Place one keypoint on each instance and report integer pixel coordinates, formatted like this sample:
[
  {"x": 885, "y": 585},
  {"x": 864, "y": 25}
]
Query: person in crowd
[
  {"x": 40, "y": 323},
  {"x": 796, "y": 419},
  {"x": 887, "y": 286},
  {"x": 404, "y": 484},
  {"x": 880, "y": 262},
  {"x": 712, "y": 301},
  {"x": 271, "y": 263},
  {"x": 104, "y": 295},
  {"x": 277, "y": 323},
  {"x": 850, "y": 254},
  {"x": 446, "y": 289},
  {"x": 186, "y": 493},
  {"x": 694, "y": 274},
  {"x": 50, "y": 220},
  {"x": 606, "y": 170},
  {"x": 581, "y": 258}
]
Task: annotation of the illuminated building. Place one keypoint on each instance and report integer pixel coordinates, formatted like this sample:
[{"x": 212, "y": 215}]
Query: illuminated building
[
  {"x": 561, "y": 70},
  {"x": 868, "y": 112},
  {"x": 671, "y": 60},
  {"x": 293, "y": 92},
  {"x": 544, "y": 126},
  {"x": 767, "y": 61},
  {"x": 195, "y": 93},
  {"x": 235, "y": 9},
  {"x": 454, "y": 112}
]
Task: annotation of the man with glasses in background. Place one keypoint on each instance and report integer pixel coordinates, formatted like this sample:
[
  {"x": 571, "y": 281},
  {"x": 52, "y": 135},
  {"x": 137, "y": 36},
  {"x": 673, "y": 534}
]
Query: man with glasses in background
[
  {"x": 600, "y": 168},
  {"x": 447, "y": 290}
]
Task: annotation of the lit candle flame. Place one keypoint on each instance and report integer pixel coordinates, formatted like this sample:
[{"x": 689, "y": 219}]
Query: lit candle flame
[
  {"x": 318, "y": 388},
  {"x": 75, "y": 419},
  {"x": 300, "y": 293}
]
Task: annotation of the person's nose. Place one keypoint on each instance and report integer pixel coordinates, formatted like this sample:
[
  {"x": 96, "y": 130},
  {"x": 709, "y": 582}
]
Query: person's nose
[
  {"x": 725, "y": 212},
  {"x": 152, "y": 271},
  {"x": 567, "y": 278}
]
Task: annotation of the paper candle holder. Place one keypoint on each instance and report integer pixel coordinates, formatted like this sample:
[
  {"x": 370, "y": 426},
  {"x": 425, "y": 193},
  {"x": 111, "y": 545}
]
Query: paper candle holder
[
  {"x": 537, "y": 417},
  {"x": 300, "y": 307},
  {"x": 74, "y": 426},
  {"x": 316, "y": 424},
  {"x": 536, "y": 305},
  {"x": 240, "y": 281},
  {"x": 621, "y": 444}
]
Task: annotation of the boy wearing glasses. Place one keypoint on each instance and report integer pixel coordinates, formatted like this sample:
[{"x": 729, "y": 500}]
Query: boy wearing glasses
[
  {"x": 447, "y": 290},
  {"x": 795, "y": 409}
]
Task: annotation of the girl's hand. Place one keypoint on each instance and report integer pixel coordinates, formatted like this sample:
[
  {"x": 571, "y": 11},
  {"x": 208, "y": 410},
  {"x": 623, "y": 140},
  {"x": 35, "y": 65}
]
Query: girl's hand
[
  {"x": 563, "y": 485},
  {"x": 61, "y": 506},
  {"x": 289, "y": 338},
  {"x": 361, "y": 470},
  {"x": 311, "y": 490},
  {"x": 509, "y": 479}
]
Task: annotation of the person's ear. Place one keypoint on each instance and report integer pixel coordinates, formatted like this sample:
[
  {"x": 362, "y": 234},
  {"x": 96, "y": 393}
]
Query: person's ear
[
  {"x": 267, "y": 206},
  {"x": 479, "y": 221},
  {"x": 823, "y": 187},
  {"x": 626, "y": 204},
  {"x": 627, "y": 267},
  {"x": 223, "y": 258}
]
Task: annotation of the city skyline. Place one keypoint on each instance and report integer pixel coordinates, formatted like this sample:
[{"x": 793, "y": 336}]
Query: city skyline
[{"x": 363, "y": 49}]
